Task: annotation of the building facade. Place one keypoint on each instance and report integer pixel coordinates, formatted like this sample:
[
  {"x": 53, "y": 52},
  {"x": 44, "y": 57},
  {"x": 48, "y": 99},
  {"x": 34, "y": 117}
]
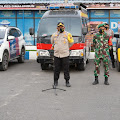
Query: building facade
[{"x": 25, "y": 14}]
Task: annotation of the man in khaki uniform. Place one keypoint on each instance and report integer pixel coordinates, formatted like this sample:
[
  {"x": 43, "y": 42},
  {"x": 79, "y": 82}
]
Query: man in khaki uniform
[
  {"x": 111, "y": 34},
  {"x": 61, "y": 41}
]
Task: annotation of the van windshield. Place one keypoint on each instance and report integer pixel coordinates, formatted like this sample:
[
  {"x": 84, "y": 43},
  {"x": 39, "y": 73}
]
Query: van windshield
[{"x": 48, "y": 26}]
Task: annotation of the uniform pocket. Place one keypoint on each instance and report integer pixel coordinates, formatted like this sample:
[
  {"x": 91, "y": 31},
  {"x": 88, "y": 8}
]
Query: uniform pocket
[
  {"x": 106, "y": 44},
  {"x": 64, "y": 41}
]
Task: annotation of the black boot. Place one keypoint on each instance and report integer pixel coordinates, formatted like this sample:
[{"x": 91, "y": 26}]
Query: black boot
[
  {"x": 106, "y": 81},
  {"x": 96, "y": 81},
  {"x": 67, "y": 84},
  {"x": 56, "y": 83},
  {"x": 113, "y": 64}
]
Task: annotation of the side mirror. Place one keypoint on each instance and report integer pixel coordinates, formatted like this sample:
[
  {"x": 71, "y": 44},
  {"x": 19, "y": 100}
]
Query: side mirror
[
  {"x": 11, "y": 37},
  {"x": 31, "y": 31},
  {"x": 117, "y": 35},
  {"x": 84, "y": 30}
]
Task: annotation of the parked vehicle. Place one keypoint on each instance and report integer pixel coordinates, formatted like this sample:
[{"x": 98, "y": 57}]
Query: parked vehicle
[
  {"x": 12, "y": 46},
  {"x": 117, "y": 35},
  {"x": 75, "y": 19}
]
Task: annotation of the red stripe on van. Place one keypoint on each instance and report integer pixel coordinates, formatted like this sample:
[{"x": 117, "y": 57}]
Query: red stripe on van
[
  {"x": 44, "y": 46},
  {"x": 75, "y": 46}
]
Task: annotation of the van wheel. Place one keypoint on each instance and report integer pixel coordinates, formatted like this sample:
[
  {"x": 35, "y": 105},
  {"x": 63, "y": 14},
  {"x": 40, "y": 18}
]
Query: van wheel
[
  {"x": 81, "y": 66},
  {"x": 4, "y": 64},
  {"x": 87, "y": 61},
  {"x": 44, "y": 66},
  {"x": 21, "y": 59}
]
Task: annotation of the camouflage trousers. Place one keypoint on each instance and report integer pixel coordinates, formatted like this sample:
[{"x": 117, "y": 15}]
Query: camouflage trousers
[{"x": 97, "y": 63}]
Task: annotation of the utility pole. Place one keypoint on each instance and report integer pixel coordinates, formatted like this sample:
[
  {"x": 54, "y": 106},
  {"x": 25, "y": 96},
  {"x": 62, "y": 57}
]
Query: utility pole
[{"x": 66, "y": 1}]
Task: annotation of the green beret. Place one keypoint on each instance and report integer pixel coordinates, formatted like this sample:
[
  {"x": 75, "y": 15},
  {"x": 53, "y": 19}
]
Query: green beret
[{"x": 101, "y": 25}]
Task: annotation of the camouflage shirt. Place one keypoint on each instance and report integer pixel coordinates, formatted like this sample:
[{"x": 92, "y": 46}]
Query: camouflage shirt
[{"x": 101, "y": 45}]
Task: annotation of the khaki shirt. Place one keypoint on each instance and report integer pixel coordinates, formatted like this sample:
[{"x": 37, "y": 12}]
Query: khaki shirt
[
  {"x": 61, "y": 43},
  {"x": 110, "y": 32}
]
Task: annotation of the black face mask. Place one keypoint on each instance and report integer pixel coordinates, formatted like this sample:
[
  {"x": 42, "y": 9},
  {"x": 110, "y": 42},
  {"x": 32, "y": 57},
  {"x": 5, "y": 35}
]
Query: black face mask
[
  {"x": 61, "y": 30},
  {"x": 106, "y": 27},
  {"x": 101, "y": 31}
]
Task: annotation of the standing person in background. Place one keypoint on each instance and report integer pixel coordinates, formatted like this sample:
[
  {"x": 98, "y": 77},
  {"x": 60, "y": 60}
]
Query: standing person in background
[
  {"x": 61, "y": 41},
  {"x": 102, "y": 45},
  {"x": 111, "y": 34}
]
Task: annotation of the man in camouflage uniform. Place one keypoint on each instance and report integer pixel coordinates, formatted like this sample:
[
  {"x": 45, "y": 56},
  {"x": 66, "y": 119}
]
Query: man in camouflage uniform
[{"x": 101, "y": 44}]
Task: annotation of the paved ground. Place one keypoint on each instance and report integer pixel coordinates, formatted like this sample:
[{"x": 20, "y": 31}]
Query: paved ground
[{"x": 21, "y": 96}]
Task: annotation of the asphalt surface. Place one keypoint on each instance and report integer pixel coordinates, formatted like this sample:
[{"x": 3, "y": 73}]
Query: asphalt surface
[{"x": 21, "y": 96}]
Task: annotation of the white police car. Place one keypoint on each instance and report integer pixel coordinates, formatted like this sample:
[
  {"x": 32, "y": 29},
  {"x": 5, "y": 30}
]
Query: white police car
[{"x": 12, "y": 45}]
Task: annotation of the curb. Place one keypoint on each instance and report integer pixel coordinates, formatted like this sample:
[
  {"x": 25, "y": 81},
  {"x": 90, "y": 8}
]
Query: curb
[{"x": 30, "y": 55}]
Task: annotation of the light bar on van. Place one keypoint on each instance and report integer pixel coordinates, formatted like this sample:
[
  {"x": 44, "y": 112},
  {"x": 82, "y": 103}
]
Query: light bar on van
[{"x": 61, "y": 7}]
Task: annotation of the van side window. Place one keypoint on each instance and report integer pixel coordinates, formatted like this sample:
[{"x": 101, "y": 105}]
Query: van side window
[{"x": 83, "y": 23}]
